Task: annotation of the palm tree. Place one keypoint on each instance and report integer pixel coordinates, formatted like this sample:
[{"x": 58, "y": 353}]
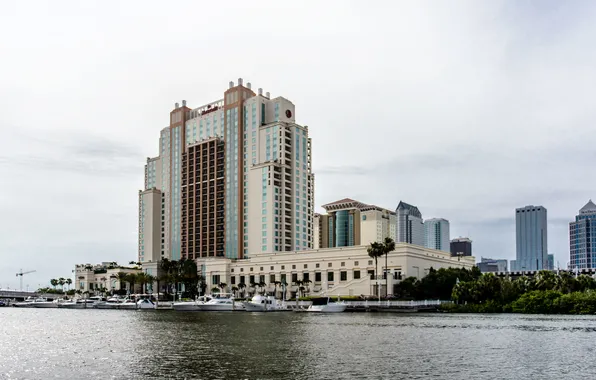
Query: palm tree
[
  {"x": 150, "y": 279},
  {"x": 235, "y": 291},
  {"x": 215, "y": 289},
  {"x": 388, "y": 246},
  {"x": 69, "y": 282},
  {"x": 122, "y": 278},
  {"x": 242, "y": 287},
  {"x": 375, "y": 250},
  {"x": 141, "y": 279},
  {"x": 298, "y": 285},
  {"x": 307, "y": 282},
  {"x": 131, "y": 278},
  {"x": 62, "y": 281},
  {"x": 262, "y": 285},
  {"x": 222, "y": 286},
  {"x": 54, "y": 283},
  {"x": 276, "y": 284}
]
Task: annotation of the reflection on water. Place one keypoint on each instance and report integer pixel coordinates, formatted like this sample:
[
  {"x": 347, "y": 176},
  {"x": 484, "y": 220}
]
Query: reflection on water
[{"x": 117, "y": 344}]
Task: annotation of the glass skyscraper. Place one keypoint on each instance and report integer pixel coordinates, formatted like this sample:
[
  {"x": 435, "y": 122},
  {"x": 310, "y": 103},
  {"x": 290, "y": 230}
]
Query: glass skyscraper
[
  {"x": 531, "y": 246},
  {"x": 582, "y": 250}
]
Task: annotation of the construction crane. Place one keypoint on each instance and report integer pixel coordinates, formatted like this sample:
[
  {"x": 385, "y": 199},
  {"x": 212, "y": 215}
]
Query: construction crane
[{"x": 21, "y": 273}]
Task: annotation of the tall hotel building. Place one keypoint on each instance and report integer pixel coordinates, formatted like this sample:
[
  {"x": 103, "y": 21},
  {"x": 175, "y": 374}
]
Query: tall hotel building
[
  {"x": 582, "y": 238},
  {"x": 233, "y": 177}
]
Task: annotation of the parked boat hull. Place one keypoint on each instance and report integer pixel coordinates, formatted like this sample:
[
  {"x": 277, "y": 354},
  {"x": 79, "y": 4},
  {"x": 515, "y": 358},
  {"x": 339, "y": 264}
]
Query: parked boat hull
[
  {"x": 329, "y": 308},
  {"x": 185, "y": 306}
]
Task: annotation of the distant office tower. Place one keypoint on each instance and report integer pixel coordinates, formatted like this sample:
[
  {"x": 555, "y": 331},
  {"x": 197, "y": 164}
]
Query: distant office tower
[
  {"x": 436, "y": 234},
  {"x": 266, "y": 181},
  {"x": 410, "y": 228},
  {"x": 582, "y": 238},
  {"x": 531, "y": 238},
  {"x": 551, "y": 261},
  {"x": 350, "y": 223},
  {"x": 461, "y": 246},
  {"x": 491, "y": 265}
]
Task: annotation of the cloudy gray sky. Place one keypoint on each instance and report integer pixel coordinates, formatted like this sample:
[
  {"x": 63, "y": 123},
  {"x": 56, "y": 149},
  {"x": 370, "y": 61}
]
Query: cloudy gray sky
[{"x": 467, "y": 109}]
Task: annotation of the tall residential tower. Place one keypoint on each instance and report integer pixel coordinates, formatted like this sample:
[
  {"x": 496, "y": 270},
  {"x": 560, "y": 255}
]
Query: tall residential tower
[{"x": 233, "y": 177}]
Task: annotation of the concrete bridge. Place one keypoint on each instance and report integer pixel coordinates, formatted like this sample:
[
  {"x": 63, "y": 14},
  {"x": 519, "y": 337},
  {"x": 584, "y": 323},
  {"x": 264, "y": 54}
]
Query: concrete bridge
[{"x": 20, "y": 295}]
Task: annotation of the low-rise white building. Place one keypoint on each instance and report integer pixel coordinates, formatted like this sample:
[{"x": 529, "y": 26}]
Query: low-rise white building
[
  {"x": 331, "y": 271},
  {"x": 91, "y": 278}
]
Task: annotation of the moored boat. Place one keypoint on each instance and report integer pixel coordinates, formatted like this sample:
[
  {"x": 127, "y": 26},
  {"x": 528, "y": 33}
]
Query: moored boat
[
  {"x": 221, "y": 302},
  {"x": 45, "y": 304},
  {"x": 265, "y": 303},
  {"x": 325, "y": 305},
  {"x": 190, "y": 305}
]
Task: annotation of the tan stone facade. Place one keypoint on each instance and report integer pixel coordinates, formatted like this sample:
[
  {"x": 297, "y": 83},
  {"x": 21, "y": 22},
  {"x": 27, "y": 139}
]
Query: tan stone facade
[{"x": 343, "y": 271}]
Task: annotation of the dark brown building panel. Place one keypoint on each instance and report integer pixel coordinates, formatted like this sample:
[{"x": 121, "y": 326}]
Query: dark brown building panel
[{"x": 203, "y": 200}]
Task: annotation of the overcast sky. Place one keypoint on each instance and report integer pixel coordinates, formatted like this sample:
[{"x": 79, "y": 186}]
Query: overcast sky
[{"x": 467, "y": 109}]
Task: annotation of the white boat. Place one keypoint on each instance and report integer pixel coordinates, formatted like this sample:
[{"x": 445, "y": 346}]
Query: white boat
[
  {"x": 221, "y": 303},
  {"x": 145, "y": 304},
  {"x": 75, "y": 304},
  {"x": 27, "y": 303},
  {"x": 45, "y": 304},
  {"x": 325, "y": 305},
  {"x": 265, "y": 303},
  {"x": 127, "y": 304},
  {"x": 190, "y": 305},
  {"x": 111, "y": 303}
]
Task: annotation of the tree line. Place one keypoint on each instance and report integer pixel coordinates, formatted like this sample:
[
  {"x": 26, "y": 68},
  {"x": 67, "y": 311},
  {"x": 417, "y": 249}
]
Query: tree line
[{"x": 547, "y": 292}]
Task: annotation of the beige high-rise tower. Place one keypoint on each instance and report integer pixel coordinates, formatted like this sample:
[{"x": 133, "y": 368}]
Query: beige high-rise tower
[{"x": 267, "y": 182}]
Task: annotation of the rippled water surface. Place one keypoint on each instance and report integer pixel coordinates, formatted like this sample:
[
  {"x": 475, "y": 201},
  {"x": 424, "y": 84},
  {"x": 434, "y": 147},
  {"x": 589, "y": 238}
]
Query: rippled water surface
[{"x": 118, "y": 344}]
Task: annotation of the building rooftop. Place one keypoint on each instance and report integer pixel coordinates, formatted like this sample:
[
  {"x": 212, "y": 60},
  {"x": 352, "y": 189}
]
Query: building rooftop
[
  {"x": 412, "y": 210},
  {"x": 590, "y": 207},
  {"x": 348, "y": 203}
]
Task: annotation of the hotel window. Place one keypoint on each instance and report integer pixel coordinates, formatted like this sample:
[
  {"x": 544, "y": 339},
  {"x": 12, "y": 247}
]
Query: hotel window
[
  {"x": 329, "y": 265},
  {"x": 343, "y": 276},
  {"x": 271, "y": 278},
  {"x": 262, "y": 278},
  {"x": 370, "y": 262},
  {"x": 241, "y": 280},
  {"x": 272, "y": 267},
  {"x": 283, "y": 279},
  {"x": 343, "y": 264},
  {"x": 294, "y": 277},
  {"x": 305, "y": 266},
  {"x": 233, "y": 278},
  {"x": 251, "y": 278},
  {"x": 317, "y": 265},
  {"x": 293, "y": 266},
  {"x": 356, "y": 274},
  {"x": 283, "y": 267},
  {"x": 317, "y": 276},
  {"x": 330, "y": 276}
]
